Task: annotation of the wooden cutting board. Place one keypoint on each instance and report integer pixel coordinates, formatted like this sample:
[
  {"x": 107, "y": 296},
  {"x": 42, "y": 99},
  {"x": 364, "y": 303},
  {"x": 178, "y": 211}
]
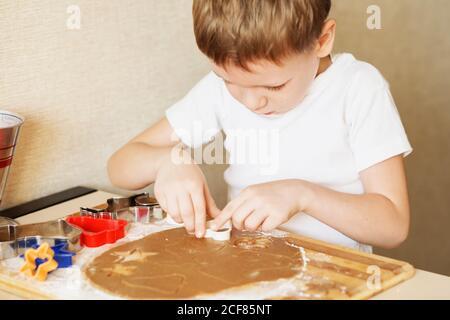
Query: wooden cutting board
[{"x": 337, "y": 273}]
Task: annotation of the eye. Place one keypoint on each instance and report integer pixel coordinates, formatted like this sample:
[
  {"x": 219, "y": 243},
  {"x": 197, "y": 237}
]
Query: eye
[{"x": 276, "y": 88}]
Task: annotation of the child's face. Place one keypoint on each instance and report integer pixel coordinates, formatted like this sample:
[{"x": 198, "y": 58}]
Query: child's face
[{"x": 270, "y": 89}]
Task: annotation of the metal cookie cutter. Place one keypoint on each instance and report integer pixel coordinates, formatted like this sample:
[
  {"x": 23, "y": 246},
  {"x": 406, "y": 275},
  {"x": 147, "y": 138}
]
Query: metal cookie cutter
[
  {"x": 8, "y": 245},
  {"x": 140, "y": 208},
  {"x": 5, "y": 221},
  {"x": 16, "y": 239},
  {"x": 95, "y": 213}
]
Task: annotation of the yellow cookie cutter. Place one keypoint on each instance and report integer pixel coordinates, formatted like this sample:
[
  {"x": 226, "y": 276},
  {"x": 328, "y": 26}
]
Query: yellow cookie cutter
[{"x": 43, "y": 252}]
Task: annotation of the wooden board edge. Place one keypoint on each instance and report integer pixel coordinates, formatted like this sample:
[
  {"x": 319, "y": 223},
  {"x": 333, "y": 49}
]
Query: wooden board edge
[
  {"x": 373, "y": 256},
  {"x": 22, "y": 290}
]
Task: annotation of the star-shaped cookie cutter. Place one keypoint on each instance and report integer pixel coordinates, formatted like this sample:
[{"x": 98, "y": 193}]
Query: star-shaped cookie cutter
[
  {"x": 62, "y": 256},
  {"x": 30, "y": 268}
]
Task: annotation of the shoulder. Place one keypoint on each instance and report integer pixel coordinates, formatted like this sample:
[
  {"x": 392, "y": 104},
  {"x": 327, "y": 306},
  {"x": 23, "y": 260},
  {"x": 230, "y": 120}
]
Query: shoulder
[
  {"x": 366, "y": 89},
  {"x": 210, "y": 82},
  {"x": 361, "y": 76},
  {"x": 205, "y": 93}
]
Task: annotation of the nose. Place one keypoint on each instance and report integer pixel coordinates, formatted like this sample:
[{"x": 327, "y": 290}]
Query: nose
[{"x": 255, "y": 102}]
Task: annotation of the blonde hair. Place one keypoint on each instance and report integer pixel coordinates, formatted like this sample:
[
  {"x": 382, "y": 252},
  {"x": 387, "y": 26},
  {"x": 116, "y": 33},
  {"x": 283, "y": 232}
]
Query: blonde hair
[{"x": 244, "y": 31}]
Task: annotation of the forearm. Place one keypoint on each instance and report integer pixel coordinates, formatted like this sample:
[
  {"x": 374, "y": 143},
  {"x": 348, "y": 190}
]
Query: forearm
[
  {"x": 136, "y": 164},
  {"x": 368, "y": 218}
]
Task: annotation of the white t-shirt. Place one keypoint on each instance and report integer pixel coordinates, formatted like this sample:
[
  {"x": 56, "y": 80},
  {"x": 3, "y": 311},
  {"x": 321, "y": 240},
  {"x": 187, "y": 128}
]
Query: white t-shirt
[{"x": 347, "y": 122}]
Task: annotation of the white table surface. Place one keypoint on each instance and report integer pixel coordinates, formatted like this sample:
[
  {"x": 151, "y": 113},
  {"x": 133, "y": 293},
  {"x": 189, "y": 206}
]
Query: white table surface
[{"x": 424, "y": 285}]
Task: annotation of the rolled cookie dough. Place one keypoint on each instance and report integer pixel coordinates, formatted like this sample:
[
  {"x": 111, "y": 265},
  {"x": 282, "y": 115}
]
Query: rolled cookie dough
[{"x": 174, "y": 265}]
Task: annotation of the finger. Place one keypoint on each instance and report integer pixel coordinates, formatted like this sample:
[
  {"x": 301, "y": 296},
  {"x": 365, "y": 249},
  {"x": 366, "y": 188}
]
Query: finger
[
  {"x": 211, "y": 207},
  {"x": 255, "y": 220},
  {"x": 161, "y": 199},
  {"x": 241, "y": 213},
  {"x": 186, "y": 211},
  {"x": 269, "y": 224},
  {"x": 198, "y": 201},
  {"x": 226, "y": 213},
  {"x": 172, "y": 210}
]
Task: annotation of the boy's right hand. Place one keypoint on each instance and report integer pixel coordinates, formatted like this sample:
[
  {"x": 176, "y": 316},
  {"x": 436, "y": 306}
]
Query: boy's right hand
[{"x": 182, "y": 191}]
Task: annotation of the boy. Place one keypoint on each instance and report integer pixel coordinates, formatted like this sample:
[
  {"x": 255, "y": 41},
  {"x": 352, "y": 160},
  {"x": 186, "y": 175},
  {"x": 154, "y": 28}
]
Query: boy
[{"x": 337, "y": 174}]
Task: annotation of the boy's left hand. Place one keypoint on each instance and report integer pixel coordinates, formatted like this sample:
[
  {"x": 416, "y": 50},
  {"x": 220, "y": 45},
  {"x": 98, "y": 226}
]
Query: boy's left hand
[{"x": 264, "y": 206}]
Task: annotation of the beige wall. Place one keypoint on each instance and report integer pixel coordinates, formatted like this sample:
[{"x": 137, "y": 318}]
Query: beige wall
[
  {"x": 86, "y": 92},
  {"x": 413, "y": 52}
]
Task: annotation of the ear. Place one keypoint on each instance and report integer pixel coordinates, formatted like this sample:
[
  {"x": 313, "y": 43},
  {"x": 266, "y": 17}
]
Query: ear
[{"x": 325, "y": 42}]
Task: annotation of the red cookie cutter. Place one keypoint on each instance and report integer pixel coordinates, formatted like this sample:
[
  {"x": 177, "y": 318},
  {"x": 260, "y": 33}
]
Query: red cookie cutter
[{"x": 98, "y": 231}]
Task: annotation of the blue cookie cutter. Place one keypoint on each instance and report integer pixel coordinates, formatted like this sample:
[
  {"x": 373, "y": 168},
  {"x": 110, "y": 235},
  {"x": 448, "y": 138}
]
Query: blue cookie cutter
[{"x": 62, "y": 255}]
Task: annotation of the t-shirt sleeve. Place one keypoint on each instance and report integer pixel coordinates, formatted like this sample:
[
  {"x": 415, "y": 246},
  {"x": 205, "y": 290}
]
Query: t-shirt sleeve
[
  {"x": 194, "y": 118},
  {"x": 376, "y": 132}
]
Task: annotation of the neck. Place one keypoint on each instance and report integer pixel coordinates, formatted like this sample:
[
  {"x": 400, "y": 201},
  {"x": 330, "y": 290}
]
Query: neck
[{"x": 324, "y": 64}]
